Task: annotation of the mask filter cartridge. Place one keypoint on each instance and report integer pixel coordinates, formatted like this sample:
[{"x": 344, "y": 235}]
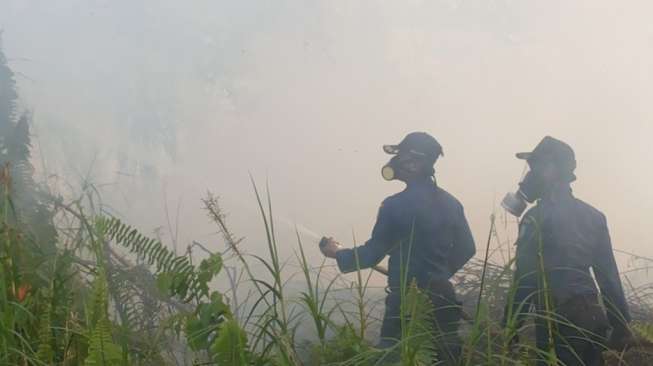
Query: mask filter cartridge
[
  {"x": 388, "y": 173},
  {"x": 515, "y": 203}
]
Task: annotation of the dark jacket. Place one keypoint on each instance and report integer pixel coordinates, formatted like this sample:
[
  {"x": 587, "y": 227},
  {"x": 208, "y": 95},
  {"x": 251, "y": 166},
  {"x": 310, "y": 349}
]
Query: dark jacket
[
  {"x": 573, "y": 237},
  {"x": 423, "y": 229}
]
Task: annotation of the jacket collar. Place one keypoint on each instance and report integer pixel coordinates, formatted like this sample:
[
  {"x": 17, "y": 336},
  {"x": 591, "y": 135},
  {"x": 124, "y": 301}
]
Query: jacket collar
[
  {"x": 559, "y": 193},
  {"x": 422, "y": 182}
]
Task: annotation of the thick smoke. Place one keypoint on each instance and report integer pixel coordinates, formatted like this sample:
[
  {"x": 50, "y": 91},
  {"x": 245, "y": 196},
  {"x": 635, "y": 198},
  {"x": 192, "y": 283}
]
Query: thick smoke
[{"x": 157, "y": 101}]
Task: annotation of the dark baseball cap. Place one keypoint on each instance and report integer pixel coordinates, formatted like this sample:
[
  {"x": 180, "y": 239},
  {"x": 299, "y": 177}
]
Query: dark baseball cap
[
  {"x": 418, "y": 143},
  {"x": 552, "y": 150}
]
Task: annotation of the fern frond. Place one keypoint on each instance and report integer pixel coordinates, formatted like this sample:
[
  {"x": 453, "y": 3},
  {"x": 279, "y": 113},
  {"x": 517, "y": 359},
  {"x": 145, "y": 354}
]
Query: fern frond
[
  {"x": 45, "y": 352},
  {"x": 102, "y": 351},
  {"x": 98, "y": 302},
  {"x": 181, "y": 277}
]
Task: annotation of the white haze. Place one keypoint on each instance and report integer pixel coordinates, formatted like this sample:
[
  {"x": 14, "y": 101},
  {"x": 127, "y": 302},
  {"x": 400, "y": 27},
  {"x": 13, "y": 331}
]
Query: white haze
[{"x": 162, "y": 100}]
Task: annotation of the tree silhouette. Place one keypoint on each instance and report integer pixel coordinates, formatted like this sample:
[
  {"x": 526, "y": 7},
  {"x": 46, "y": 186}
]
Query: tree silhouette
[{"x": 29, "y": 207}]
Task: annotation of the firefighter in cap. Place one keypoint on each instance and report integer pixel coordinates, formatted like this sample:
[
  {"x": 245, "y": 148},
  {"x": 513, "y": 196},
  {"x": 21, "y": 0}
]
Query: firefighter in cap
[
  {"x": 560, "y": 239},
  {"x": 424, "y": 227}
]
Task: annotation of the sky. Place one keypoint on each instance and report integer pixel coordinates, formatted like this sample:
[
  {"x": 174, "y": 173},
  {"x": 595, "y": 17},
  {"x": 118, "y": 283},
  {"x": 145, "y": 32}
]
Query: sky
[{"x": 158, "y": 101}]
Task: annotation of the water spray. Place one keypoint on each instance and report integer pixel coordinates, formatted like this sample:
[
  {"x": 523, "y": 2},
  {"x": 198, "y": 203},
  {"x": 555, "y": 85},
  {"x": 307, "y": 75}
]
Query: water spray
[{"x": 320, "y": 240}]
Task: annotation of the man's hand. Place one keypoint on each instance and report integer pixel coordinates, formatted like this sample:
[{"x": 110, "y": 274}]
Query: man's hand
[{"x": 329, "y": 247}]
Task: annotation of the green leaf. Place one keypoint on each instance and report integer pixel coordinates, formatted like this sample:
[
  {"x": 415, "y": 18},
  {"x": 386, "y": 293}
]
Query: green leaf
[
  {"x": 211, "y": 266},
  {"x": 164, "y": 282},
  {"x": 197, "y": 334},
  {"x": 208, "y": 269},
  {"x": 202, "y": 325},
  {"x": 230, "y": 347}
]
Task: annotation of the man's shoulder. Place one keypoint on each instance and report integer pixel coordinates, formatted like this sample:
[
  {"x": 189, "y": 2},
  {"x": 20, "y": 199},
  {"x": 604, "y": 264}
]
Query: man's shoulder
[
  {"x": 392, "y": 201},
  {"x": 589, "y": 210},
  {"x": 541, "y": 212},
  {"x": 448, "y": 198},
  {"x": 408, "y": 197},
  {"x": 395, "y": 197}
]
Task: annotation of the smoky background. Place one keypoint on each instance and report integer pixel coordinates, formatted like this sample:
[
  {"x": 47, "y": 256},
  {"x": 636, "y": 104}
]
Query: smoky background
[{"x": 156, "y": 102}]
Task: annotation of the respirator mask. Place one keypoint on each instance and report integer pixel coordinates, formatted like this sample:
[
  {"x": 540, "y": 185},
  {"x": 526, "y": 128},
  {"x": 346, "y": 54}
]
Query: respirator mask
[
  {"x": 415, "y": 152},
  {"x": 389, "y": 171},
  {"x": 399, "y": 164},
  {"x": 531, "y": 188},
  {"x": 551, "y": 162}
]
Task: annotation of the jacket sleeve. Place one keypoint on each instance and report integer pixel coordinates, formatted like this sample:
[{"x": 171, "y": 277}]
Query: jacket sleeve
[
  {"x": 463, "y": 247},
  {"x": 375, "y": 249},
  {"x": 607, "y": 277}
]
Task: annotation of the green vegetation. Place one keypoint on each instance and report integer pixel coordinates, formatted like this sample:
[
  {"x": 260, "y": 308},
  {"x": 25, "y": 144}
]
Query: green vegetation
[{"x": 78, "y": 287}]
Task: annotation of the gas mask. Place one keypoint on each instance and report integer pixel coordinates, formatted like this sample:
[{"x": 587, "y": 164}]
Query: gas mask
[
  {"x": 531, "y": 188},
  {"x": 390, "y": 170}
]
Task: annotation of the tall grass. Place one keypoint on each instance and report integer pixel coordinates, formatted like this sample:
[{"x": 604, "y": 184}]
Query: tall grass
[
  {"x": 107, "y": 298},
  {"x": 487, "y": 341}
]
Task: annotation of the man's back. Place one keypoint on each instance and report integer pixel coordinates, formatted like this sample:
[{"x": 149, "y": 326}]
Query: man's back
[
  {"x": 573, "y": 237},
  {"x": 423, "y": 225},
  {"x": 434, "y": 238}
]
